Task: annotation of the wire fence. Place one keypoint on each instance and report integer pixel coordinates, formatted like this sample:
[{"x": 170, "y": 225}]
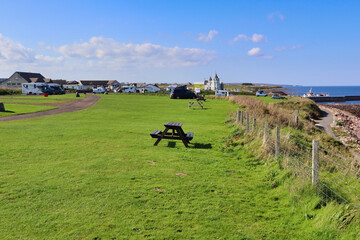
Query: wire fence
[{"x": 335, "y": 177}]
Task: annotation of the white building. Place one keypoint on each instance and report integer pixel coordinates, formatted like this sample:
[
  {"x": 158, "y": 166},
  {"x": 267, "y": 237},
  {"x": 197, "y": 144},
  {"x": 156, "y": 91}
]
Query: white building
[{"x": 213, "y": 84}]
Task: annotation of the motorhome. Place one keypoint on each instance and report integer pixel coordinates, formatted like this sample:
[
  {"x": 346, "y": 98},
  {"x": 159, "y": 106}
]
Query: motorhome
[
  {"x": 128, "y": 89},
  {"x": 57, "y": 88},
  {"x": 36, "y": 88}
]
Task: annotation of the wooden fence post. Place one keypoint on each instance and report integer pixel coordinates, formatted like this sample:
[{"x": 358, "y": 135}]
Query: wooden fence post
[
  {"x": 247, "y": 123},
  {"x": 315, "y": 162},
  {"x": 296, "y": 120},
  {"x": 242, "y": 118},
  {"x": 254, "y": 124},
  {"x": 266, "y": 133},
  {"x": 277, "y": 145},
  {"x": 238, "y": 116}
]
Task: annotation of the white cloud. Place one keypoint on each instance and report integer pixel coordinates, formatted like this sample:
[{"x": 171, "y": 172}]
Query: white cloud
[
  {"x": 255, "y": 38},
  {"x": 255, "y": 52},
  {"x": 207, "y": 37},
  {"x": 11, "y": 51},
  {"x": 123, "y": 54},
  {"x": 276, "y": 15},
  {"x": 283, "y": 48}
]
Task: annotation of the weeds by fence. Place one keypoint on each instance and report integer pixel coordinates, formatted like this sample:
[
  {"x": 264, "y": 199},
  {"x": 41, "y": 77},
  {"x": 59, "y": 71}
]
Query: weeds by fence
[{"x": 335, "y": 177}]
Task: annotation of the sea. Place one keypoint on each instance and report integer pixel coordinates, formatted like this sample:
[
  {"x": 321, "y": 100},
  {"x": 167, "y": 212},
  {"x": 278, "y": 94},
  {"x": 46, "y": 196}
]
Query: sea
[{"x": 333, "y": 91}]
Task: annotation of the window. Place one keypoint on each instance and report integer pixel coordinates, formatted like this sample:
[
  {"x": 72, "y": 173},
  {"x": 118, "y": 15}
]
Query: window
[
  {"x": 18, "y": 84},
  {"x": 13, "y": 84}
]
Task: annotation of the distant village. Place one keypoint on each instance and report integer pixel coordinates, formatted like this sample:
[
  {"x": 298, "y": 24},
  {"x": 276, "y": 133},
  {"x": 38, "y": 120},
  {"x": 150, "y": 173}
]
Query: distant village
[{"x": 17, "y": 79}]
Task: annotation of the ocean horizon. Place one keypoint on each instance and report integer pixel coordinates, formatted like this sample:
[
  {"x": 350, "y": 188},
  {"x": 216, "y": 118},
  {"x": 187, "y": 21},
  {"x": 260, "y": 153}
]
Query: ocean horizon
[{"x": 333, "y": 91}]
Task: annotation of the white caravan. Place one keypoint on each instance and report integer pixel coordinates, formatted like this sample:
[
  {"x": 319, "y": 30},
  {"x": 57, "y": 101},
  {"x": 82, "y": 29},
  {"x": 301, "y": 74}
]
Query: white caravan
[
  {"x": 36, "y": 88},
  {"x": 128, "y": 89},
  {"x": 222, "y": 93}
]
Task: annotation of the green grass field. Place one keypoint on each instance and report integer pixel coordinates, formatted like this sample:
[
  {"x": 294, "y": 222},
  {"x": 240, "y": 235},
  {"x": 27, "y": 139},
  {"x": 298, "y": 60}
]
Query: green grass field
[
  {"x": 15, "y": 109},
  {"x": 95, "y": 174}
]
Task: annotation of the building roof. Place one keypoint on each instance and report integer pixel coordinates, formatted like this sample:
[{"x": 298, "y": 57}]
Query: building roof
[
  {"x": 59, "y": 81},
  {"x": 3, "y": 79},
  {"x": 28, "y": 75},
  {"x": 72, "y": 82},
  {"x": 112, "y": 81},
  {"x": 93, "y": 82}
]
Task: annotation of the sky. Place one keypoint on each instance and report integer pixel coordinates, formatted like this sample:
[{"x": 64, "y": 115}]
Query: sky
[{"x": 280, "y": 42}]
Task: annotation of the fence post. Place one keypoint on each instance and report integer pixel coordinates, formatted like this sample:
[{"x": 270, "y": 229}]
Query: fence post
[
  {"x": 277, "y": 145},
  {"x": 315, "y": 162},
  {"x": 247, "y": 122},
  {"x": 266, "y": 133},
  {"x": 296, "y": 120},
  {"x": 238, "y": 116},
  {"x": 242, "y": 118},
  {"x": 254, "y": 124}
]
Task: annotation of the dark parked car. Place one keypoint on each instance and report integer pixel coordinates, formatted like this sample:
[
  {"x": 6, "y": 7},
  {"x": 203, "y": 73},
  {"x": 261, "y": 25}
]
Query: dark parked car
[
  {"x": 277, "y": 96},
  {"x": 182, "y": 93}
]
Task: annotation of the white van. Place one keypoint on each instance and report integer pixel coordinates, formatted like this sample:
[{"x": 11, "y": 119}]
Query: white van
[
  {"x": 128, "y": 89},
  {"x": 222, "y": 93},
  {"x": 36, "y": 88}
]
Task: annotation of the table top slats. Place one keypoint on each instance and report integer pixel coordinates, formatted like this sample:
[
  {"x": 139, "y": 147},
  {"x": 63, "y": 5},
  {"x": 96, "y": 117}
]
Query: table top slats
[{"x": 173, "y": 124}]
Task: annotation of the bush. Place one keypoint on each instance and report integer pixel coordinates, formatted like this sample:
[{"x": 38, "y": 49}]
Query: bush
[{"x": 4, "y": 91}]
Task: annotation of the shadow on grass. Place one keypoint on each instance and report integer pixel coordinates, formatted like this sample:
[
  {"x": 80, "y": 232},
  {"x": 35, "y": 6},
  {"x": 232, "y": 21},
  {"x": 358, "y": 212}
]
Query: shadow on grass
[
  {"x": 328, "y": 194},
  {"x": 202, "y": 145},
  {"x": 199, "y": 108},
  {"x": 8, "y": 111},
  {"x": 171, "y": 144}
]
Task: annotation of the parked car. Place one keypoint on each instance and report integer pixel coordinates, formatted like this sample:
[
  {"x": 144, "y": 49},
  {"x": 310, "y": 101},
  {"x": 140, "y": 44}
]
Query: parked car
[
  {"x": 276, "y": 96},
  {"x": 182, "y": 93},
  {"x": 261, "y": 94},
  {"x": 222, "y": 93},
  {"x": 101, "y": 90}
]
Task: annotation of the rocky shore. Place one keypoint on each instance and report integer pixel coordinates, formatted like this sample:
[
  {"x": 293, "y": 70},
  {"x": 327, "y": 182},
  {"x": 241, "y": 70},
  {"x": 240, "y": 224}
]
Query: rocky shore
[{"x": 347, "y": 119}]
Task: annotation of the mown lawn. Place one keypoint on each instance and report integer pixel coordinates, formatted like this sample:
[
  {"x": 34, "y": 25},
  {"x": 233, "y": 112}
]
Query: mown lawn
[
  {"x": 95, "y": 174},
  {"x": 15, "y": 109}
]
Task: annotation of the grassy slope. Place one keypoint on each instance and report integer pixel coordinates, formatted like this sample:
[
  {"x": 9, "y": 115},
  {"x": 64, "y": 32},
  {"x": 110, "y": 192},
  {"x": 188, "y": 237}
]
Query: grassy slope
[{"x": 94, "y": 173}]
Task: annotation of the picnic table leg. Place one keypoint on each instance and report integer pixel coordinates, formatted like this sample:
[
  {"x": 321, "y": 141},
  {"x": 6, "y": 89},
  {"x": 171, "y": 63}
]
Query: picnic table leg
[
  {"x": 161, "y": 136},
  {"x": 183, "y": 138}
]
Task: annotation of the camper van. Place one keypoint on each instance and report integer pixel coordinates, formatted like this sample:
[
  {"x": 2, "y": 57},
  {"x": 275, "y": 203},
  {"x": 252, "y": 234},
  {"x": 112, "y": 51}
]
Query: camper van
[
  {"x": 57, "y": 88},
  {"x": 36, "y": 88},
  {"x": 128, "y": 89},
  {"x": 222, "y": 93}
]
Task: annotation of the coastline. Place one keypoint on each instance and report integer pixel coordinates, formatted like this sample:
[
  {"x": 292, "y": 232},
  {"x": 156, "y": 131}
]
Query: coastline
[{"x": 346, "y": 120}]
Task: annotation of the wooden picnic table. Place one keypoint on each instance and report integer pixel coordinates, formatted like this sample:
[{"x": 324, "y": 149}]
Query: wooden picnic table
[
  {"x": 177, "y": 133},
  {"x": 198, "y": 103}
]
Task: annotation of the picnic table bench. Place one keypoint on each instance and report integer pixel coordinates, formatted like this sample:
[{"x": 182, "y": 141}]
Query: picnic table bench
[
  {"x": 177, "y": 133},
  {"x": 198, "y": 103}
]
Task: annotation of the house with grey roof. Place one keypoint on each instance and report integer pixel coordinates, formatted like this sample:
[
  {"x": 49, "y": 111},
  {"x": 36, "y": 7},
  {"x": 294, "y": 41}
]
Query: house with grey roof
[{"x": 15, "y": 80}]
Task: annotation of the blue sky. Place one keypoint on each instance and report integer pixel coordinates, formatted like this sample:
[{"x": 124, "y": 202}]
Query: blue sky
[{"x": 282, "y": 42}]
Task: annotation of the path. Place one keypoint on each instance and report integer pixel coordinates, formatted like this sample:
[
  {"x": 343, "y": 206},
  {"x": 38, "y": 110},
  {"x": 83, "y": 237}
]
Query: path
[
  {"x": 68, "y": 106},
  {"x": 325, "y": 121}
]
